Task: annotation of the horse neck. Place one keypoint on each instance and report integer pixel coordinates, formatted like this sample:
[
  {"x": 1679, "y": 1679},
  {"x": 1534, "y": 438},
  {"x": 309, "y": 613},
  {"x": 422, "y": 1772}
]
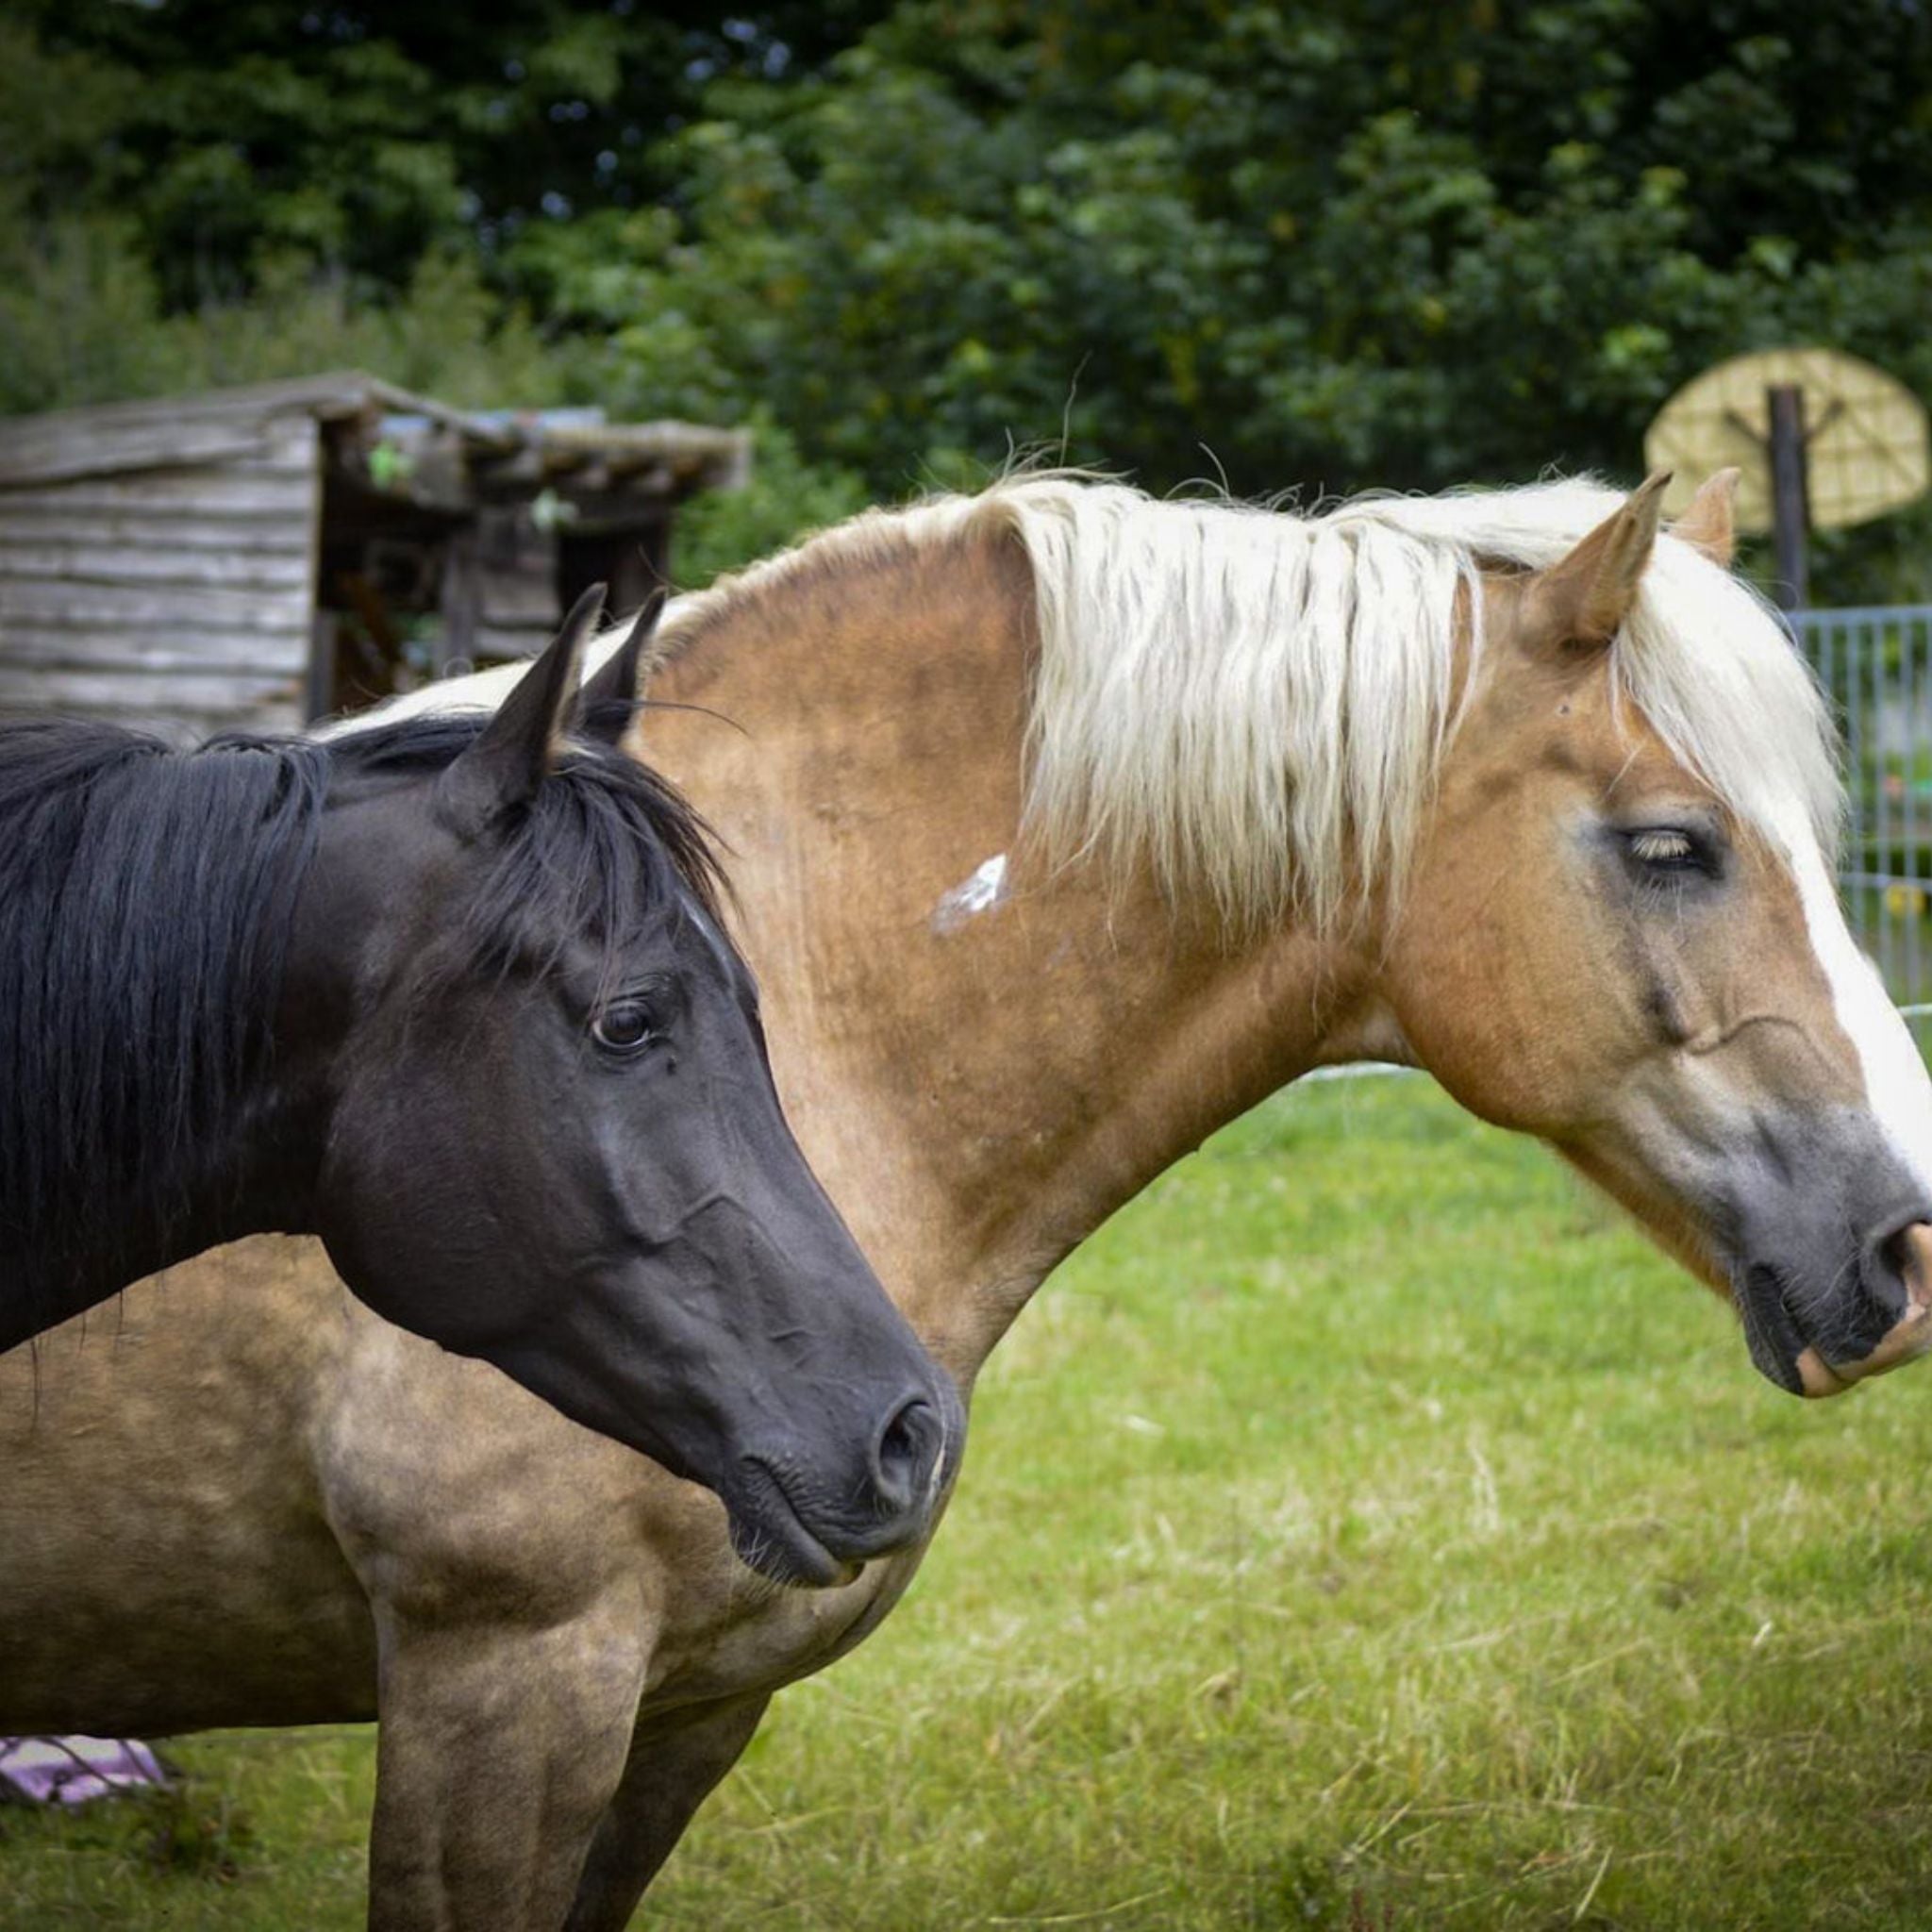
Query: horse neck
[{"x": 978, "y": 1089}]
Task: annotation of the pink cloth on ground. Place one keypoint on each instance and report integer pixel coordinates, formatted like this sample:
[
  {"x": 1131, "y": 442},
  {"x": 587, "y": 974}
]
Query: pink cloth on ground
[{"x": 70, "y": 1771}]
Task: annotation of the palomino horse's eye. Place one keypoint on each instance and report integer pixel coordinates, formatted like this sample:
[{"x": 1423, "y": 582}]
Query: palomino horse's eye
[
  {"x": 1665, "y": 849},
  {"x": 624, "y": 1028}
]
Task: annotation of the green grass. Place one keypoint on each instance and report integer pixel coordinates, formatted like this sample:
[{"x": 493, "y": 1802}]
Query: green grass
[{"x": 1364, "y": 1531}]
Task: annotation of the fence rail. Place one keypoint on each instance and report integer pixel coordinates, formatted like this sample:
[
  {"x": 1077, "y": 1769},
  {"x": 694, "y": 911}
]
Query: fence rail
[{"x": 1874, "y": 663}]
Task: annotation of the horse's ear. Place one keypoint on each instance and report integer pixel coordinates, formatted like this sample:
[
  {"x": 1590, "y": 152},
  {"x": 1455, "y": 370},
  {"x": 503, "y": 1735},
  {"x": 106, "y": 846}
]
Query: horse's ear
[
  {"x": 1584, "y": 598},
  {"x": 517, "y": 748},
  {"x": 611, "y": 691},
  {"x": 1709, "y": 521}
]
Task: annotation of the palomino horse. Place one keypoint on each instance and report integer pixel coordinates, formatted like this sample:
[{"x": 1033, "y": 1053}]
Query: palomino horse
[
  {"x": 1068, "y": 825},
  {"x": 451, "y": 994}
]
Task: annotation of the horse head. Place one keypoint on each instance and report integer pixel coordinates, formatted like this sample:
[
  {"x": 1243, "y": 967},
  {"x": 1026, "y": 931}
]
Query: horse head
[
  {"x": 1620, "y": 933},
  {"x": 518, "y": 955}
]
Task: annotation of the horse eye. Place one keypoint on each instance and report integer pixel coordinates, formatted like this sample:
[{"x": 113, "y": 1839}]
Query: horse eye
[
  {"x": 623, "y": 1027},
  {"x": 1666, "y": 849}
]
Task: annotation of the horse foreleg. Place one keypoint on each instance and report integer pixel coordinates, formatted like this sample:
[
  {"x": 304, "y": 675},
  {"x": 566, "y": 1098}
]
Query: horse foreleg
[
  {"x": 674, "y": 1763},
  {"x": 499, "y": 1750}
]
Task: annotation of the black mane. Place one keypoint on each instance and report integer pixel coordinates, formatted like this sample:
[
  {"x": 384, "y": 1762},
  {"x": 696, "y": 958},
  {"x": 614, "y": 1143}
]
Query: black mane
[{"x": 147, "y": 897}]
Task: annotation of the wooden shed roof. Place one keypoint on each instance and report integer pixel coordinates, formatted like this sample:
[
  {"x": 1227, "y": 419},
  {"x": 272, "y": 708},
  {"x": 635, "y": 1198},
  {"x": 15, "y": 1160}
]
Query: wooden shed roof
[
  {"x": 232, "y": 424},
  {"x": 190, "y": 560}
]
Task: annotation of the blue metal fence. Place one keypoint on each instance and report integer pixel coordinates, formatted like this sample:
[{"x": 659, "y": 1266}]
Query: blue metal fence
[{"x": 1876, "y": 665}]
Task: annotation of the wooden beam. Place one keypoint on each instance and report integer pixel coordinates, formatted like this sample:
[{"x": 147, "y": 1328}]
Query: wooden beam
[
  {"x": 319, "y": 690},
  {"x": 460, "y": 600}
]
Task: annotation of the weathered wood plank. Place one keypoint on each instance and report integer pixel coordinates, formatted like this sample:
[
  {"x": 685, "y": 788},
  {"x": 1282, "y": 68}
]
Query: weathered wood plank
[
  {"x": 111, "y": 564},
  {"x": 280, "y": 532},
  {"x": 33, "y": 459},
  {"x": 121, "y": 693},
  {"x": 172, "y": 494},
  {"x": 266, "y": 652},
  {"x": 254, "y": 455},
  {"x": 50, "y": 449},
  {"x": 202, "y": 607}
]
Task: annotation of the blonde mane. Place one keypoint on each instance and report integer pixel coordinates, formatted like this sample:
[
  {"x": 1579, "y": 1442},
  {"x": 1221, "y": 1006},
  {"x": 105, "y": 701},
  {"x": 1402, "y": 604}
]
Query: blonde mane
[{"x": 1257, "y": 702}]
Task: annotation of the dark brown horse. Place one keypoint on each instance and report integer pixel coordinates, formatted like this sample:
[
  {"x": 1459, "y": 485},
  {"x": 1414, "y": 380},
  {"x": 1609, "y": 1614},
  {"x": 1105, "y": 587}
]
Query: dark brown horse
[
  {"x": 450, "y": 992},
  {"x": 1066, "y": 825}
]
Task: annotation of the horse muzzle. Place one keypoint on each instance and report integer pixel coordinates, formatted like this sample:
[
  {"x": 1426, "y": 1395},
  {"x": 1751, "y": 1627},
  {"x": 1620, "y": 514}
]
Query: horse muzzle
[
  {"x": 1816, "y": 1350},
  {"x": 793, "y": 1525}
]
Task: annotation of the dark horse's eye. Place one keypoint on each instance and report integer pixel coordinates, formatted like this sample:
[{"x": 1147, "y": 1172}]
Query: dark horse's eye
[{"x": 625, "y": 1027}]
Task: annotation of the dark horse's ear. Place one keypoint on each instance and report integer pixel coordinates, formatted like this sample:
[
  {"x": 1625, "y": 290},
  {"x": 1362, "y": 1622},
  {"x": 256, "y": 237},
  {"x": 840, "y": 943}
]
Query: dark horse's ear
[
  {"x": 612, "y": 690},
  {"x": 505, "y": 765}
]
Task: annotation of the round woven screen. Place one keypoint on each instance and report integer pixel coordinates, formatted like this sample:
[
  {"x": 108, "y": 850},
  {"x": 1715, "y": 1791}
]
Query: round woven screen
[{"x": 1867, "y": 439}]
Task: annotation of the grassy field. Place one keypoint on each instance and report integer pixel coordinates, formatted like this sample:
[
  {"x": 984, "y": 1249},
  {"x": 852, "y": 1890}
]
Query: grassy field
[{"x": 1364, "y": 1531}]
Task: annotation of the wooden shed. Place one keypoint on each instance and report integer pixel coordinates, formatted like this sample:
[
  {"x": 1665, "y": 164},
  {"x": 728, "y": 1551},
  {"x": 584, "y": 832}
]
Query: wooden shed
[{"x": 253, "y": 558}]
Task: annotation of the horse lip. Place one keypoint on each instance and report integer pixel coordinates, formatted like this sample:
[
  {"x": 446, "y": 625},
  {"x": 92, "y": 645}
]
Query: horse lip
[
  {"x": 1817, "y": 1378},
  {"x": 771, "y": 1538},
  {"x": 1778, "y": 1350},
  {"x": 1908, "y": 1337},
  {"x": 1906, "y": 1341}
]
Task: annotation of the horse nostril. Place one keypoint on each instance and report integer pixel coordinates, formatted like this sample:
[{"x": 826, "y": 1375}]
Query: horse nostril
[
  {"x": 1902, "y": 1257},
  {"x": 908, "y": 1451}
]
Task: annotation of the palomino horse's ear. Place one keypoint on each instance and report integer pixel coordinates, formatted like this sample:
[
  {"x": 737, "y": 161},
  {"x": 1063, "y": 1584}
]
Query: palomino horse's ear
[
  {"x": 517, "y": 748},
  {"x": 1709, "y": 519},
  {"x": 1584, "y": 598},
  {"x": 610, "y": 693}
]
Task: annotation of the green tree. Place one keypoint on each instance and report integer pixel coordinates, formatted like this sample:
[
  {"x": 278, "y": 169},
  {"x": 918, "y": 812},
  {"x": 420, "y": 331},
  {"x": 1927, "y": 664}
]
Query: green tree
[
  {"x": 239, "y": 134},
  {"x": 1300, "y": 245},
  {"x": 1315, "y": 244}
]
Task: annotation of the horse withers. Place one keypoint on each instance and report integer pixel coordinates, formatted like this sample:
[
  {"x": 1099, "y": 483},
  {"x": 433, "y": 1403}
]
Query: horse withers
[{"x": 454, "y": 994}]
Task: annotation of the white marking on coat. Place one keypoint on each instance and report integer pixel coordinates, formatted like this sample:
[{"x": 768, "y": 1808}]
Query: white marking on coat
[{"x": 985, "y": 889}]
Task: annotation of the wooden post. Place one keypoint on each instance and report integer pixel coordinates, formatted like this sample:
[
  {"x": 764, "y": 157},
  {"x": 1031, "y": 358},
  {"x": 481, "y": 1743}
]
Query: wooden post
[
  {"x": 1790, "y": 495},
  {"x": 461, "y": 601},
  {"x": 320, "y": 698}
]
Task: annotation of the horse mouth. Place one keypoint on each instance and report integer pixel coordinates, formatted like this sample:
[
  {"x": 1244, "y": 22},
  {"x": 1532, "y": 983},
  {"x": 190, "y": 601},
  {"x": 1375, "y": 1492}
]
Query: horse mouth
[
  {"x": 1907, "y": 1338},
  {"x": 1784, "y": 1352},
  {"x": 769, "y": 1537}
]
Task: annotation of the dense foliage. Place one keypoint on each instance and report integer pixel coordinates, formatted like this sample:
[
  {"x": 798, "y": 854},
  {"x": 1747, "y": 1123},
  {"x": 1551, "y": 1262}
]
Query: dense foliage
[{"x": 1303, "y": 245}]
